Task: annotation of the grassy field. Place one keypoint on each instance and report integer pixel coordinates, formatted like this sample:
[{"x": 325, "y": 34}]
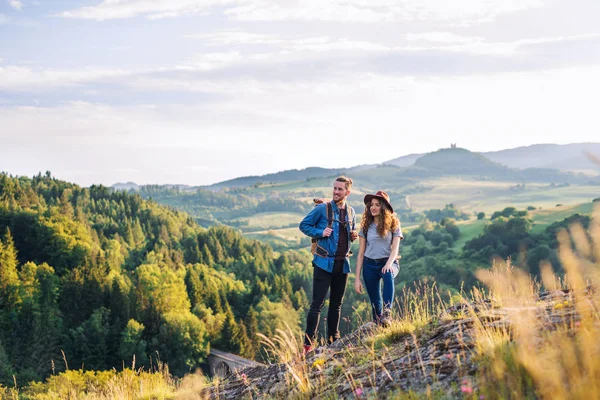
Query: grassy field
[
  {"x": 269, "y": 220},
  {"x": 279, "y": 238},
  {"x": 469, "y": 230},
  {"x": 469, "y": 195},
  {"x": 541, "y": 219},
  {"x": 475, "y": 196},
  {"x": 544, "y": 217}
]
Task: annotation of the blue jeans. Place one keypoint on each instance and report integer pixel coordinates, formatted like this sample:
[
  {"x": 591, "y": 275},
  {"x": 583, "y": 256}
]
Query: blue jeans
[{"x": 372, "y": 276}]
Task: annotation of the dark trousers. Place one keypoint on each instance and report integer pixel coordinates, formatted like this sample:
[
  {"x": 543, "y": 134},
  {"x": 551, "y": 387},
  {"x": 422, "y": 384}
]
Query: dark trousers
[{"x": 322, "y": 282}]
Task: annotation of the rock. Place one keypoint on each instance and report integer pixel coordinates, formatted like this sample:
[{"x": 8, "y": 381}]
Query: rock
[{"x": 438, "y": 359}]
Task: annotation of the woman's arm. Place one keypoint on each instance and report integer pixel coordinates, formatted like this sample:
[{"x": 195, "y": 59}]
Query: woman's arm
[
  {"x": 393, "y": 254},
  {"x": 362, "y": 244}
]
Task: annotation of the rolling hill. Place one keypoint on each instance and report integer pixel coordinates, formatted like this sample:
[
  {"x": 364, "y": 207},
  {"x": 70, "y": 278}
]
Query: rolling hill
[{"x": 566, "y": 157}]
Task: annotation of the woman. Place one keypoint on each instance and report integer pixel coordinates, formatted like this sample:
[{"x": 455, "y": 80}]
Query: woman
[{"x": 379, "y": 236}]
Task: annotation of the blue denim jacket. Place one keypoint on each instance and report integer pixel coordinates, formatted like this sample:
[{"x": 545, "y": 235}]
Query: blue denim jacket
[{"x": 313, "y": 225}]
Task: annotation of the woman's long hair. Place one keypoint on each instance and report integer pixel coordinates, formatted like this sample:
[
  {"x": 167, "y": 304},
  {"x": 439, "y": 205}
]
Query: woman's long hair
[{"x": 390, "y": 221}]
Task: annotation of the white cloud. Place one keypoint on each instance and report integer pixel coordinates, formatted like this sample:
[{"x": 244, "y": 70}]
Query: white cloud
[
  {"x": 226, "y": 38},
  {"x": 287, "y": 45},
  {"x": 442, "y": 37},
  {"x": 325, "y": 44},
  {"x": 408, "y": 114},
  {"x": 17, "y": 78},
  {"x": 116, "y": 9},
  {"x": 367, "y": 11},
  {"x": 16, "y": 4},
  {"x": 228, "y": 72},
  {"x": 478, "y": 45},
  {"x": 211, "y": 61}
]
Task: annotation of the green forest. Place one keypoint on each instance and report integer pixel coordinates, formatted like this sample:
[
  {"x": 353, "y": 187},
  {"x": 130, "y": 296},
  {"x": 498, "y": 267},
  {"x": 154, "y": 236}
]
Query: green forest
[
  {"x": 103, "y": 276},
  {"x": 95, "y": 278}
]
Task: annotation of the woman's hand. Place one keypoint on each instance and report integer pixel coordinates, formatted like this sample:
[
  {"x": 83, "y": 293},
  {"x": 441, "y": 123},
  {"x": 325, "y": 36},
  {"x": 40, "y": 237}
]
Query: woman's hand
[
  {"x": 358, "y": 286},
  {"x": 386, "y": 268}
]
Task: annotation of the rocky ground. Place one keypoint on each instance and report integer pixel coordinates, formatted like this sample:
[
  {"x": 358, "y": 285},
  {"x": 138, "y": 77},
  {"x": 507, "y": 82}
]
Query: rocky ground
[{"x": 441, "y": 358}]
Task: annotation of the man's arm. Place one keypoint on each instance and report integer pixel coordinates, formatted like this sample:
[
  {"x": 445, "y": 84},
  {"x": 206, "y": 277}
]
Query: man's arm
[{"x": 309, "y": 223}]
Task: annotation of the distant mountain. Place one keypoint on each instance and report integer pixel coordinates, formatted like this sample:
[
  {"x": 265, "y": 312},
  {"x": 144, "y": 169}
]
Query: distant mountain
[
  {"x": 287, "y": 176},
  {"x": 563, "y": 157},
  {"x": 404, "y": 161},
  {"x": 536, "y": 163},
  {"x": 457, "y": 161},
  {"x": 127, "y": 186},
  {"x": 444, "y": 162}
]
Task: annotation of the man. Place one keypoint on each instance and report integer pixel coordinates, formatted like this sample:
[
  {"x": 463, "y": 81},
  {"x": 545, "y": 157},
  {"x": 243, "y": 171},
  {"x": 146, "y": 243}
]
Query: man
[{"x": 330, "y": 262}]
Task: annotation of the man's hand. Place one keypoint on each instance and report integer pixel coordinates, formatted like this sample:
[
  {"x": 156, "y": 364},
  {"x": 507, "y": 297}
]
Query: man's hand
[
  {"x": 320, "y": 200},
  {"x": 327, "y": 232},
  {"x": 353, "y": 235},
  {"x": 358, "y": 286}
]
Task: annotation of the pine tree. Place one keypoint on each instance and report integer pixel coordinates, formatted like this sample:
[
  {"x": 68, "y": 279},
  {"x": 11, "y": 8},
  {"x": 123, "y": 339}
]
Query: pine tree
[{"x": 9, "y": 277}]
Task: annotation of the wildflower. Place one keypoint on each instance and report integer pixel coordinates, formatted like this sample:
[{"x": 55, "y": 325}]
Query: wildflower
[
  {"x": 577, "y": 324},
  {"x": 358, "y": 392},
  {"x": 466, "y": 389},
  {"x": 558, "y": 306},
  {"x": 449, "y": 356},
  {"x": 244, "y": 379},
  {"x": 318, "y": 363},
  {"x": 481, "y": 397}
]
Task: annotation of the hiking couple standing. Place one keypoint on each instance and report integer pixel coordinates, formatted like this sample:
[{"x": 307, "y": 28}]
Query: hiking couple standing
[{"x": 332, "y": 226}]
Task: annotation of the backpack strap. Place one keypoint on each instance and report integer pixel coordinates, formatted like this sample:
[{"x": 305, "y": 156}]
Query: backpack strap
[{"x": 329, "y": 215}]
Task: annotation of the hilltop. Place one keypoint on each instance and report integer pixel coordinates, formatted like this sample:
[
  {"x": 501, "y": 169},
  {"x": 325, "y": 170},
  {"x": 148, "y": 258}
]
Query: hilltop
[
  {"x": 510, "y": 344},
  {"x": 566, "y": 157},
  {"x": 570, "y": 157}
]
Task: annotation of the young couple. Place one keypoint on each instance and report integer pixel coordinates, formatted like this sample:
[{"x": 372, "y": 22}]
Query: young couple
[{"x": 332, "y": 224}]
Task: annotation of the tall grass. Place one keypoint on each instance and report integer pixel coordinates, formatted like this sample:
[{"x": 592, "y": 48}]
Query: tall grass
[
  {"x": 103, "y": 385},
  {"x": 524, "y": 348},
  {"x": 553, "y": 354}
]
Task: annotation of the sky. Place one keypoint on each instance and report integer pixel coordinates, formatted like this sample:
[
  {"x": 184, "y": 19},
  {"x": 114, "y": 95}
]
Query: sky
[{"x": 199, "y": 91}]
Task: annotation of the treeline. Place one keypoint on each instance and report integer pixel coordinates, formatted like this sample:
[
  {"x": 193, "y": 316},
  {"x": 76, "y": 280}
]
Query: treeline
[
  {"x": 430, "y": 251},
  {"x": 104, "y": 276},
  {"x": 212, "y": 207}
]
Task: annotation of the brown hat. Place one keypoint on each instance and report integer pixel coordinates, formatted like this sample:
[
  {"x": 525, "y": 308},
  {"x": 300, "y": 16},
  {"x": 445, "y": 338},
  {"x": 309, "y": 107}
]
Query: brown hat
[{"x": 382, "y": 196}]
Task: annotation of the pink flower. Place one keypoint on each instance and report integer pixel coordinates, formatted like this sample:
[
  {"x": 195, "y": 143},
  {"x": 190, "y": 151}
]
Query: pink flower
[
  {"x": 358, "y": 392},
  {"x": 466, "y": 389},
  {"x": 449, "y": 356},
  {"x": 577, "y": 323},
  {"x": 244, "y": 378}
]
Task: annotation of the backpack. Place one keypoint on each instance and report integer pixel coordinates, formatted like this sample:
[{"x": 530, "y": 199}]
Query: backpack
[
  {"x": 315, "y": 249},
  {"x": 313, "y": 241}
]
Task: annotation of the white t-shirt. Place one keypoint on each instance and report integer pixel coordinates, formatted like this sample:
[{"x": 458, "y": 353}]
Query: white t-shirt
[{"x": 378, "y": 247}]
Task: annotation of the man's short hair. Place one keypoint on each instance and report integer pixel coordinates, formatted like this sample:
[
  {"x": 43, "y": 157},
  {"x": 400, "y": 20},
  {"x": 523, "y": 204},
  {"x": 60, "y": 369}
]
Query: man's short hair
[{"x": 346, "y": 180}]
